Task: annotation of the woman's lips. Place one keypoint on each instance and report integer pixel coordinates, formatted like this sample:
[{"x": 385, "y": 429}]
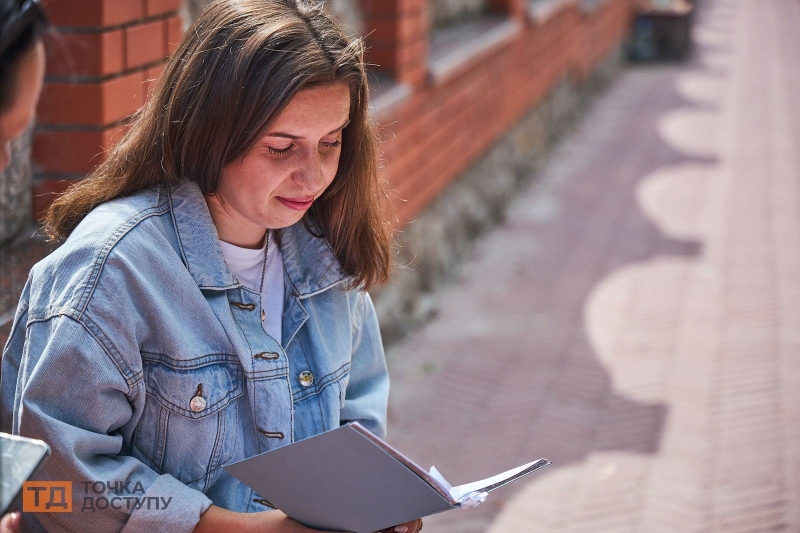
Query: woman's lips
[{"x": 298, "y": 204}]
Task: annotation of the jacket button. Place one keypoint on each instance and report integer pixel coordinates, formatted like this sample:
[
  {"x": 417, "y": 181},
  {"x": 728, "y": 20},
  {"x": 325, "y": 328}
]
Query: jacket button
[
  {"x": 306, "y": 378},
  {"x": 197, "y": 404}
]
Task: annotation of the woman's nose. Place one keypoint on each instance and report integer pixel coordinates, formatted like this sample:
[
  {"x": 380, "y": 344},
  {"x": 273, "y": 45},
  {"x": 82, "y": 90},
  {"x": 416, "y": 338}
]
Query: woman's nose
[{"x": 310, "y": 174}]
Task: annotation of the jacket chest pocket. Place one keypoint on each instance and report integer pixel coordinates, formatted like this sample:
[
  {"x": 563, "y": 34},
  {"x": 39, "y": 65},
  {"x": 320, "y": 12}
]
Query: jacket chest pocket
[
  {"x": 320, "y": 378},
  {"x": 189, "y": 423}
]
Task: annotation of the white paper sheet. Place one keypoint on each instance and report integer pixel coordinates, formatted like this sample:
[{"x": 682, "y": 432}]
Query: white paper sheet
[{"x": 470, "y": 494}]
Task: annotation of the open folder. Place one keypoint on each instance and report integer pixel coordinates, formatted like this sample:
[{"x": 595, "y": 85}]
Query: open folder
[{"x": 350, "y": 480}]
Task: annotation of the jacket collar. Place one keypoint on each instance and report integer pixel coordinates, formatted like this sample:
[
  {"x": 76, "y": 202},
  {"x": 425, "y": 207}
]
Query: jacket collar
[{"x": 309, "y": 261}]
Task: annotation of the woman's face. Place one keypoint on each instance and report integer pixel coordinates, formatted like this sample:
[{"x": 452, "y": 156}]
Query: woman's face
[
  {"x": 292, "y": 164},
  {"x": 15, "y": 119}
]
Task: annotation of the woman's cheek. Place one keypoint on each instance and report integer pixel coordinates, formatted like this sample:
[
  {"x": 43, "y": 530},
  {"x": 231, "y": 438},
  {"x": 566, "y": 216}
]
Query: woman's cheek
[{"x": 5, "y": 155}]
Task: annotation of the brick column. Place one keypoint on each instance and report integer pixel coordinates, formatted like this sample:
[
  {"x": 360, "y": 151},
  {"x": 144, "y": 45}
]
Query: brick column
[
  {"x": 397, "y": 35},
  {"x": 100, "y": 64},
  {"x": 513, "y": 8}
]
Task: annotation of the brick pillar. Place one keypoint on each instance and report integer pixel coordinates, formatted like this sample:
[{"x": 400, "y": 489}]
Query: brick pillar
[
  {"x": 513, "y": 8},
  {"x": 100, "y": 64},
  {"x": 397, "y": 35}
]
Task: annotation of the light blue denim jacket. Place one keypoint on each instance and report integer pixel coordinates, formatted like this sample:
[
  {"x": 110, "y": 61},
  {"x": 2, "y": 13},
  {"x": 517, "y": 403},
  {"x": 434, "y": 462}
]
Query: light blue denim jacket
[{"x": 134, "y": 316}]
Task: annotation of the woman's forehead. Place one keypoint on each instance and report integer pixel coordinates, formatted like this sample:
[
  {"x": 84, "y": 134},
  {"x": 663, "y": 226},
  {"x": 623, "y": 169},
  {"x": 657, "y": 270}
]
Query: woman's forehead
[{"x": 314, "y": 109}]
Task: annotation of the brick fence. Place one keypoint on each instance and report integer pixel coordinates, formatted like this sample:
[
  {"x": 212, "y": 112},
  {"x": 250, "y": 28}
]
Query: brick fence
[
  {"x": 100, "y": 64},
  {"x": 462, "y": 101},
  {"x": 443, "y": 102}
]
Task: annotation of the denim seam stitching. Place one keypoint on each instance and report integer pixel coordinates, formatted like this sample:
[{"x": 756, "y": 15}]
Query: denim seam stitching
[
  {"x": 252, "y": 396},
  {"x": 105, "y": 251},
  {"x": 356, "y": 339},
  {"x": 235, "y": 441},
  {"x": 291, "y": 408},
  {"x": 139, "y": 448},
  {"x": 266, "y": 375},
  {"x": 131, "y": 381},
  {"x": 218, "y": 405},
  {"x": 99, "y": 334},
  {"x": 299, "y": 302},
  {"x": 215, "y": 408},
  {"x": 216, "y": 450},
  {"x": 320, "y": 291},
  {"x": 61, "y": 524},
  {"x": 358, "y": 316},
  {"x": 161, "y": 445},
  {"x": 175, "y": 225},
  {"x": 197, "y": 362},
  {"x": 22, "y": 309},
  {"x": 315, "y": 386}
]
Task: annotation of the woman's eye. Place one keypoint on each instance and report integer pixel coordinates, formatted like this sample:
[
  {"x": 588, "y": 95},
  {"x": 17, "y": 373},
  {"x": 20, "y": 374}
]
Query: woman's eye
[
  {"x": 280, "y": 151},
  {"x": 333, "y": 144}
]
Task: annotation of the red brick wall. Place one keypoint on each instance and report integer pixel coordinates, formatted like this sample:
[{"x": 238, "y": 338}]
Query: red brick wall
[
  {"x": 99, "y": 67},
  {"x": 444, "y": 127},
  {"x": 397, "y": 37},
  {"x": 98, "y": 75}
]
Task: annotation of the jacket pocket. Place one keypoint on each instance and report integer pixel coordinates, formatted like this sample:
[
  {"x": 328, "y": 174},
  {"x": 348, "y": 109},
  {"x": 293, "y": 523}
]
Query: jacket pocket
[{"x": 189, "y": 424}]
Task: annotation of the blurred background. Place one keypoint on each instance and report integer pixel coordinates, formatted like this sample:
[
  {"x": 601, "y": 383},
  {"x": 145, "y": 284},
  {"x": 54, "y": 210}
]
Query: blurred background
[{"x": 599, "y": 214}]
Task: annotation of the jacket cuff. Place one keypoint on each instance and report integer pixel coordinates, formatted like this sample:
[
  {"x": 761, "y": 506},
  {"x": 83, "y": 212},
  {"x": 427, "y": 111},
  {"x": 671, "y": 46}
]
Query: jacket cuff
[{"x": 181, "y": 514}]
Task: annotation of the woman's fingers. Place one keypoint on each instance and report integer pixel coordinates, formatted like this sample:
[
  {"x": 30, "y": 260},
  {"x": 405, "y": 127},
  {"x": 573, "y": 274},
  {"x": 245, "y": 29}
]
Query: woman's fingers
[
  {"x": 409, "y": 527},
  {"x": 10, "y": 523}
]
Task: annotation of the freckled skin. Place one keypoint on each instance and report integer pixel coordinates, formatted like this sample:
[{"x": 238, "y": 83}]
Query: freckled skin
[
  {"x": 27, "y": 87},
  {"x": 268, "y": 189}
]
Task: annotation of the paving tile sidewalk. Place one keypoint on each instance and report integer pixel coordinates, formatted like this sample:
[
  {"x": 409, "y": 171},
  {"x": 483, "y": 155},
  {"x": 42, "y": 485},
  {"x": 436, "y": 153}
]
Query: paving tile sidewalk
[{"x": 637, "y": 319}]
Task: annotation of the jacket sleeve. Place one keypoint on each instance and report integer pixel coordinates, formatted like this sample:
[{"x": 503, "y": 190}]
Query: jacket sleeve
[
  {"x": 73, "y": 394},
  {"x": 367, "y": 393}
]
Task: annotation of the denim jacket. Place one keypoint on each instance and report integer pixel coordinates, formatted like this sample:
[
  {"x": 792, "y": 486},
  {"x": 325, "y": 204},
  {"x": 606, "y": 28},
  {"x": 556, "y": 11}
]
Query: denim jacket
[{"x": 121, "y": 329}]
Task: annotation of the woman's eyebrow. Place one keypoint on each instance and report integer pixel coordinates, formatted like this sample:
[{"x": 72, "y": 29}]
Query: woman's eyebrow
[{"x": 290, "y": 136}]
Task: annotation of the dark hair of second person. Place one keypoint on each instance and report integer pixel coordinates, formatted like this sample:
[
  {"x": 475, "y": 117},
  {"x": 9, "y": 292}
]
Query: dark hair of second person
[{"x": 22, "y": 24}]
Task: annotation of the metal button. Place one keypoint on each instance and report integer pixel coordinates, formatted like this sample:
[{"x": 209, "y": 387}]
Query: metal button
[
  {"x": 306, "y": 378},
  {"x": 197, "y": 404}
]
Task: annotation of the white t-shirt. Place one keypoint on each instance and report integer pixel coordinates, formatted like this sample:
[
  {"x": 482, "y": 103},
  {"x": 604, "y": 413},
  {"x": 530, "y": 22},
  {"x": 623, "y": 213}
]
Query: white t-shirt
[{"x": 246, "y": 265}]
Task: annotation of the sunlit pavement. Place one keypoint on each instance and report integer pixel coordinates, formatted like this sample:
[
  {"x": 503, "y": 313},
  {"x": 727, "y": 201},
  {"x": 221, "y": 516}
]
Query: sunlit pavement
[{"x": 637, "y": 319}]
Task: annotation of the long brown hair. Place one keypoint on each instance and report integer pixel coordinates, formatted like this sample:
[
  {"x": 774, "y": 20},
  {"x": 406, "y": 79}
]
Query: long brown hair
[{"x": 234, "y": 71}]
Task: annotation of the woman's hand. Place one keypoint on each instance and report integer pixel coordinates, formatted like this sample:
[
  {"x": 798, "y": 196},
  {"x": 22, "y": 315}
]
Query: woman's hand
[
  {"x": 409, "y": 527},
  {"x": 10, "y": 523},
  {"x": 217, "y": 519}
]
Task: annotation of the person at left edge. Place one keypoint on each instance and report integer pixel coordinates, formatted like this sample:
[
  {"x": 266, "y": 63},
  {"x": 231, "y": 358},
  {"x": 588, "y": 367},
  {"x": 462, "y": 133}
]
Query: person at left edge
[{"x": 22, "y": 63}]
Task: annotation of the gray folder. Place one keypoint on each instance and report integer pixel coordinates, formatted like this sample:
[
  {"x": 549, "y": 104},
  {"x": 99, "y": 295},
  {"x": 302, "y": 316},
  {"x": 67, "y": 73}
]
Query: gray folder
[{"x": 347, "y": 480}]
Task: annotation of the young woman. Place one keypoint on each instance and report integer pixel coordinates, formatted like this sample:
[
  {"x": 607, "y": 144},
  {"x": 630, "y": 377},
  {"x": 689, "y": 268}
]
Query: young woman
[{"x": 210, "y": 302}]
